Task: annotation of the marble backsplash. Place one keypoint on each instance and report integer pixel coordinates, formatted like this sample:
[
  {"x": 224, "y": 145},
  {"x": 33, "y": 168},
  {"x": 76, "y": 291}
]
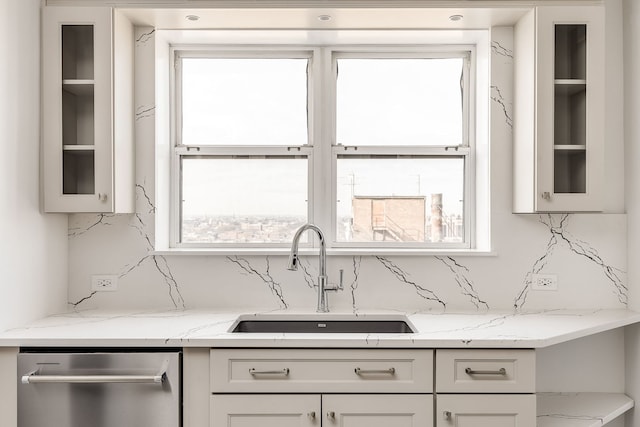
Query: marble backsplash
[{"x": 587, "y": 252}]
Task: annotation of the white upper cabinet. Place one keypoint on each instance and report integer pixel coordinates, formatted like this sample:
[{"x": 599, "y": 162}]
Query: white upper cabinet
[
  {"x": 559, "y": 110},
  {"x": 87, "y": 110}
]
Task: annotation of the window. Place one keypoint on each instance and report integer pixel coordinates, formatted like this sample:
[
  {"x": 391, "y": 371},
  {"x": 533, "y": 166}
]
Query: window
[
  {"x": 372, "y": 145},
  {"x": 401, "y": 148},
  {"x": 243, "y": 169}
]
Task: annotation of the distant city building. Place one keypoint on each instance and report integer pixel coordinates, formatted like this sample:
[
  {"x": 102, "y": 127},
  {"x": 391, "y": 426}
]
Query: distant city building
[
  {"x": 389, "y": 218},
  {"x": 401, "y": 219}
]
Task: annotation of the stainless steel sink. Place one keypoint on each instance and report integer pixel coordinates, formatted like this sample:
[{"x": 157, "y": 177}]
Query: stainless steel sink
[{"x": 323, "y": 325}]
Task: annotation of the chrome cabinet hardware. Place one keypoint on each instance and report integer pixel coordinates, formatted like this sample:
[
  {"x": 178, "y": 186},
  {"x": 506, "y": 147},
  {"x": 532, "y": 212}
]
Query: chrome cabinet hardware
[
  {"x": 446, "y": 415},
  {"x": 284, "y": 372},
  {"x": 331, "y": 415},
  {"x": 33, "y": 378},
  {"x": 102, "y": 197},
  {"x": 390, "y": 371},
  {"x": 546, "y": 195},
  {"x": 312, "y": 415},
  {"x": 501, "y": 371}
]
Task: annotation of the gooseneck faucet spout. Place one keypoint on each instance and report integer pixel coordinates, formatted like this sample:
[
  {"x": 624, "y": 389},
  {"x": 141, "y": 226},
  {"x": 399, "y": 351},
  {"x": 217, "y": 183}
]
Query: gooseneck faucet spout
[{"x": 323, "y": 305}]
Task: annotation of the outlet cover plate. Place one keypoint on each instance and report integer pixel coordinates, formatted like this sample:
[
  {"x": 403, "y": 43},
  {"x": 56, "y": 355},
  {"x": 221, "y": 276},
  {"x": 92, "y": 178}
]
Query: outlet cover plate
[
  {"x": 544, "y": 282},
  {"x": 104, "y": 283}
]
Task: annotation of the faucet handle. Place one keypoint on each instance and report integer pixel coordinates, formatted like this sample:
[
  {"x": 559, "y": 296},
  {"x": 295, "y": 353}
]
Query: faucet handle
[{"x": 339, "y": 286}]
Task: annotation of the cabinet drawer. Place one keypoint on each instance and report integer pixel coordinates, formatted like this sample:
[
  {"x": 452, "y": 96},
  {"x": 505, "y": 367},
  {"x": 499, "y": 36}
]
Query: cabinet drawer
[
  {"x": 486, "y": 410},
  {"x": 320, "y": 371},
  {"x": 485, "y": 371}
]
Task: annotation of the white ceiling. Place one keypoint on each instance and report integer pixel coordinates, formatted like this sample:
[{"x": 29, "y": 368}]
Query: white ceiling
[{"x": 308, "y": 18}]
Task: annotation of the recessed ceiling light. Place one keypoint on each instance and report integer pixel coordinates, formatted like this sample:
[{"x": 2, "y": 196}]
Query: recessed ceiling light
[
  {"x": 324, "y": 18},
  {"x": 192, "y": 17},
  {"x": 456, "y": 18}
]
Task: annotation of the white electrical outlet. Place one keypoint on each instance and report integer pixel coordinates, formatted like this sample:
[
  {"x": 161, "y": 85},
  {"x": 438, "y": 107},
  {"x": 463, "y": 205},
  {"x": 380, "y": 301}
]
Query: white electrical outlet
[
  {"x": 544, "y": 282},
  {"x": 104, "y": 283}
]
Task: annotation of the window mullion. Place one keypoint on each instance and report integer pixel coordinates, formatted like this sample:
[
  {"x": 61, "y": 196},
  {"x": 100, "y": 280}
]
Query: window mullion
[{"x": 322, "y": 171}]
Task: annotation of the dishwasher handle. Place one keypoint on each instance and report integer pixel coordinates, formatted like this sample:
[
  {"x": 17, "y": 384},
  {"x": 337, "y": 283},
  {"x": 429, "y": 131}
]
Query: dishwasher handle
[{"x": 34, "y": 378}]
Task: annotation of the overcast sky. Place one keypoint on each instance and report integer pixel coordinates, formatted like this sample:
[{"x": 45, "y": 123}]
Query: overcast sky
[{"x": 263, "y": 102}]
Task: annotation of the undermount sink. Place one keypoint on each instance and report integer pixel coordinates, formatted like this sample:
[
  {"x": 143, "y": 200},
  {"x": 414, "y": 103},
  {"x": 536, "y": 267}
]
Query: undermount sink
[{"x": 323, "y": 324}]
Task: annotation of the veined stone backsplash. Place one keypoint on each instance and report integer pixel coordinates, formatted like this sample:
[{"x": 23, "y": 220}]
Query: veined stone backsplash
[{"x": 587, "y": 252}]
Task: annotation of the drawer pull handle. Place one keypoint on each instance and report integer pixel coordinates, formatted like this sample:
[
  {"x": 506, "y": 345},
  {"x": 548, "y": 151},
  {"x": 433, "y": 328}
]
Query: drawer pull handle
[
  {"x": 284, "y": 372},
  {"x": 500, "y": 371},
  {"x": 390, "y": 371}
]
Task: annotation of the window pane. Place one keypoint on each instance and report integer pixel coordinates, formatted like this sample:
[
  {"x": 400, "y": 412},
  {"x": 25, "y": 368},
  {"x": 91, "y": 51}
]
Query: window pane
[
  {"x": 400, "y": 199},
  {"x": 399, "y": 102},
  {"x": 244, "y": 101},
  {"x": 231, "y": 200}
]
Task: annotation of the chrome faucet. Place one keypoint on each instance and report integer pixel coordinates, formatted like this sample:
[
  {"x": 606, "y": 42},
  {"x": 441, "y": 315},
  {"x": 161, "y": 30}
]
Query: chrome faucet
[{"x": 323, "y": 286}]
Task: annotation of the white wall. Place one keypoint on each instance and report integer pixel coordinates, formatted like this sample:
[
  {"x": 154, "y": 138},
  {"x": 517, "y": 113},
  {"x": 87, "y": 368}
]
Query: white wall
[
  {"x": 632, "y": 155},
  {"x": 33, "y": 247}
]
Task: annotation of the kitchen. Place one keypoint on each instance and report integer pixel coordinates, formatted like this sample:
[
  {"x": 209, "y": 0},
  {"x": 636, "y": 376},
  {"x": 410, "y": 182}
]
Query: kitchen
[{"x": 53, "y": 256}]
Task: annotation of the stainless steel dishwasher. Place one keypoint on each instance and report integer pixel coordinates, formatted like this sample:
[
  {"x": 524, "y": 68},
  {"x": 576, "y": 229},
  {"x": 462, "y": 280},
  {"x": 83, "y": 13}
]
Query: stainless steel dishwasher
[{"x": 99, "y": 389}]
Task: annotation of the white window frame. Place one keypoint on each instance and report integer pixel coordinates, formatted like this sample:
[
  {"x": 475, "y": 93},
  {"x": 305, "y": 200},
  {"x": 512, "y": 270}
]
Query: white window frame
[
  {"x": 180, "y": 150},
  {"x": 466, "y": 149},
  {"x": 322, "y": 149}
]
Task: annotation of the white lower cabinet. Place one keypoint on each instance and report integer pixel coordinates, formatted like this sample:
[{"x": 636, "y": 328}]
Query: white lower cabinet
[
  {"x": 372, "y": 388},
  {"x": 343, "y": 410},
  {"x": 488, "y": 410},
  {"x": 265, "y": 410},
  {"x": 380, "y": 410},
  {"x": 485, "y": 388}
]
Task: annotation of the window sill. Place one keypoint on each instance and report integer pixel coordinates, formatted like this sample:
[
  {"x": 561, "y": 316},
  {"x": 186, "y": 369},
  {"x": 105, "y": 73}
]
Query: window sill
[{"x": 330, "y": 252}]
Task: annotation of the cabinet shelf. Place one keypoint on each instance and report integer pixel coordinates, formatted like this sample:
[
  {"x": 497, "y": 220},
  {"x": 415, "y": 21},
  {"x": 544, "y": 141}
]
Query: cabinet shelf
[
  {"x": 567, "y": 87},
  {"x": 78, "y": 87},
  {"x": 78, "y": 147},
  {"x": 570, "y": 147},
  {"x": 570, "y": 82},
  {"x": 580, "y": 409}
]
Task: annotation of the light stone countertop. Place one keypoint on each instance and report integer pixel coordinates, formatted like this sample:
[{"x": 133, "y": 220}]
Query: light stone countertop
[
  {"x": 209, "y": 328},
  {"x": 580, "y": 409}
]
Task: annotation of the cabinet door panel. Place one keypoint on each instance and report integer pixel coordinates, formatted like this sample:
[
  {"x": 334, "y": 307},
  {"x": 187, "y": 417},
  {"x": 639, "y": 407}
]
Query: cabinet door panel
[
  {"x": 77, "y": 107},
  {"x": 570, "y": 109},
  {"x": 377, "y": 410},
  {"x": 265, "y": 410},
  {"x": 559, "y": 126},
  {"x": 87, "y": 106},
  {"x": 492, "y": 410}
]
